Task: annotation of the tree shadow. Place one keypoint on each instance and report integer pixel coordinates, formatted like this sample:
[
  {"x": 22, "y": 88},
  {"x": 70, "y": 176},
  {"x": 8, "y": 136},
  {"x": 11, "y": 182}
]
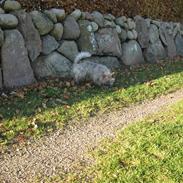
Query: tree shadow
[
  {"x": 33, "y": 97},
  {"x": 57, "y": 100}
]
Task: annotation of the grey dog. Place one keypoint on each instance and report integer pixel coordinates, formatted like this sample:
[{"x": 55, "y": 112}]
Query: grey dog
[{"x": 89, "y": 71}]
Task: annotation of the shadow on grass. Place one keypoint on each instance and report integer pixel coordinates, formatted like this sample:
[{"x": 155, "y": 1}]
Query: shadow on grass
[{"x": 54, "y": 103}]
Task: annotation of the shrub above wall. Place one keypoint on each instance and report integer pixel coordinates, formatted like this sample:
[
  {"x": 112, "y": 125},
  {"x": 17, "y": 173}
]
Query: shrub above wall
[
  {"x": 157, "y": 9},
  {"x": 40, "y": 44}
]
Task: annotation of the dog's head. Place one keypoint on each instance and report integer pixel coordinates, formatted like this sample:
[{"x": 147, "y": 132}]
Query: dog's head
[{"x": 108, "y": 79}]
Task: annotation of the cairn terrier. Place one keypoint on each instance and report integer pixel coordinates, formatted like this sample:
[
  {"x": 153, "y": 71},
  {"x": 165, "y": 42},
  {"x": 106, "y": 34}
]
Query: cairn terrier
[{"x": 89, "y": 71}]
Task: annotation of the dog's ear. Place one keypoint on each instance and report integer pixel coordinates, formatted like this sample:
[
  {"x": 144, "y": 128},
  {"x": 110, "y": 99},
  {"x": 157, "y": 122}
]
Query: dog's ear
[
  {"x": 111, "y": 74},
  {"x": 103, "y": 76}
]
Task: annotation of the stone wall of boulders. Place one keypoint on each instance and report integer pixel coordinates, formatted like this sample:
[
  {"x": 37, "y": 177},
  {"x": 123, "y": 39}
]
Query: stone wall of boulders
[{"x": 42, "y": 44}]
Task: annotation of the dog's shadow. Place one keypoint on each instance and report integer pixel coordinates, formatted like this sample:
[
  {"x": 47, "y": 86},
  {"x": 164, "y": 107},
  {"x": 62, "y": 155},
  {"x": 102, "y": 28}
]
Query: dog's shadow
[{"x": 125, "y": 76}]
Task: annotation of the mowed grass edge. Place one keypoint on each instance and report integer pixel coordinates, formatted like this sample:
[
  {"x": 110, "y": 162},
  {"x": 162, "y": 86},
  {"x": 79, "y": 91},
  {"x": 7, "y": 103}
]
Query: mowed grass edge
[
  {"x": 148, "y": 151},
  {"x": 45, "y": 108}
]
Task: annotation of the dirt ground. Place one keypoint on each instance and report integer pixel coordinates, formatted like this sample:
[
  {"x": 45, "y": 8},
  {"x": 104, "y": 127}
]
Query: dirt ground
[{"x": 164, "y": 9}]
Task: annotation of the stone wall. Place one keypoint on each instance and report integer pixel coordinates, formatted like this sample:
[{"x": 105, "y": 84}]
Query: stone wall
[{"x": 43, "y": 44}]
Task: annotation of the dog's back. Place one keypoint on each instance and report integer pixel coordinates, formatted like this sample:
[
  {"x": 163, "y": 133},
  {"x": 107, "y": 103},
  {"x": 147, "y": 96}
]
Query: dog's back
[{"x": 88, "y": 70}]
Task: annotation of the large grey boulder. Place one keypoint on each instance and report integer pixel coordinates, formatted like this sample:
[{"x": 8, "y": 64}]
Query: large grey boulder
[
  {"x": 153, "y": 34},
  {"x": 118, "y": 29},
  {"x": 51, "y": 15},
  {"x": 131, "y": 24},
  {"x": 179, "y": 44},
  {"x": 53, "y": 65},
  {"x": 76, "y": 14},
  {"x": 108, "y": 42},
  {"x": 165, "y": 30},
  {"x": 155, "y": 52},
  {"x": 123, "y": 35},
  {"x": 121, "y": 21},
  {"x": 16, "y": 66},
  {"x": 1, "y": 79},
  {"x": 87, "y": 16},
  {"x": 10, "y": 5},
  {"x": 87, "y": 41},
  {"x": 42, "y": 22},
  {"x": 30, "y": 34},
  {"x": 95, "y": 26},
  {"x": 167, "y": 38},
  {"x": 8, "y": 21},
  {"x": 111, "y": 62},
  {"x": 143, "y": 31},
  {"x": 98, "y": 18},
  {"x": 176, "y": 29},
  {"x": 49, "y": 44},
  {"x": 69, "y": 49},
  {"x": 59, "y": 13},
  {"x": 109, "y": 17},
  {"x": 1, "y": 11},
  {"x": 71, "y": 29},
  {"x": 135, "y": 34},
  {"x": 132, "y": 34},
  {"x": 1, "y": 37},
  {"x": 163, "y": 34},
  {"x": 57, "y": 31},
  {"x": 148, "y": 20},
  {"x": 156, "y": 22},
  {"x": 132, "y": 53},
  {"x": 108, "y": 23}
]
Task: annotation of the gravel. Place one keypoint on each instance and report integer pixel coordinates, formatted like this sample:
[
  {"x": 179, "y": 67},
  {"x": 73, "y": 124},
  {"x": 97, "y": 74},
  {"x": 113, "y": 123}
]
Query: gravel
[{"x": 61, "y": 150}]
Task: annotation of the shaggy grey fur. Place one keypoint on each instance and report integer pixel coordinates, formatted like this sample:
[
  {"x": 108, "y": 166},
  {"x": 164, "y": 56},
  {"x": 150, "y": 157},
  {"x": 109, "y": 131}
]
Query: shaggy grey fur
[{"x": 89, "y": 71}]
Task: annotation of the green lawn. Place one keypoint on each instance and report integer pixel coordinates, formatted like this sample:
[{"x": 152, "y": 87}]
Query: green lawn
[
  {"x": 44, "y": 108},
  {"x": 149, "y": 151}
]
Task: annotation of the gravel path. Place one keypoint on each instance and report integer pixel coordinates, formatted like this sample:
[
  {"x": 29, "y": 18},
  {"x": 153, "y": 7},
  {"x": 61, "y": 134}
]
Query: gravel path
[{"x": 61, "y": 150}]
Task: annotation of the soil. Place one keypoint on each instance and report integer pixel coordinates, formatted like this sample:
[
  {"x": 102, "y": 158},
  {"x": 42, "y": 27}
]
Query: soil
[{"x": 163, "y": 9}]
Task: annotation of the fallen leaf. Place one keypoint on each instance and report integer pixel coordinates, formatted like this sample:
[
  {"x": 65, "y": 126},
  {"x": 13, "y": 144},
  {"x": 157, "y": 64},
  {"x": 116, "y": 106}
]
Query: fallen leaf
[
  {"x": 150, "y": 83},
  {"x": 17, "y": 111},
  {"x": 61, "y": 101},
  {"x": 68, "y": 84},
  {"x": 4, "y": 95},
  {"x": 67, "y": 107},
  {"x": 20, "y": 138},
  {"x": 44, "y": 105},
  {"x": 19, "y": 94},
  {"x": 66, "y": 97}
]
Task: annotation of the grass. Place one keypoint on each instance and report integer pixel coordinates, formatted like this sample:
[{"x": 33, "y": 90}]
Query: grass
[
  {"x": 34, "y": 111},
  {"x": 148, "y": 151}
]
